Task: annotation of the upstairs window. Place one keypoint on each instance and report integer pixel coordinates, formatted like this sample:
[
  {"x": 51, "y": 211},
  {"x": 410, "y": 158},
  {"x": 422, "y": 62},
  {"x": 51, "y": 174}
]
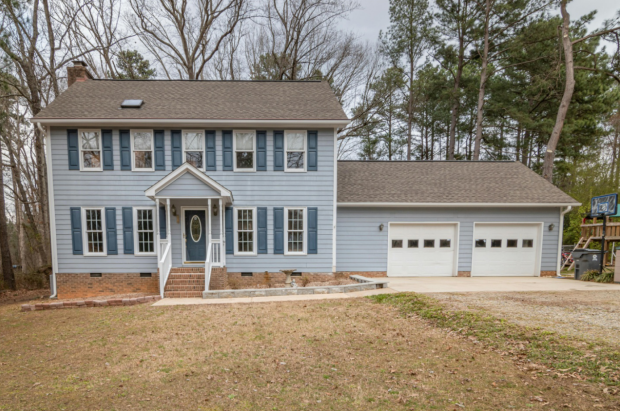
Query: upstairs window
[
  {"x": 90, "y": 150},
  {"x": 244, "y": 147},
  {"x": 142, "y": 148},
  {"x": 93, "y": 221},
  {"x": 193, "y": 148},
  {"x": 295, "y": 148}
]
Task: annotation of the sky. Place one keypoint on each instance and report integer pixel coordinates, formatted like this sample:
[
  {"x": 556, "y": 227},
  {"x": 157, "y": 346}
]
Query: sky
[{"x": 373, "y": 15}]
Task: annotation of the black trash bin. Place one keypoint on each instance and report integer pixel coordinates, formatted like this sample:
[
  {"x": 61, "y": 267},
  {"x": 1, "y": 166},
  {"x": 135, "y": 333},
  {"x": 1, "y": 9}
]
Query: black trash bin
[{"x": 586, "y": 259}]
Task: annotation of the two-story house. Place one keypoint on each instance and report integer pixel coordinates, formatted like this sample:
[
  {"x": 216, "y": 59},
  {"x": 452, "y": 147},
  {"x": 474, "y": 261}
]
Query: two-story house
[{"x": 226, "y": 179}]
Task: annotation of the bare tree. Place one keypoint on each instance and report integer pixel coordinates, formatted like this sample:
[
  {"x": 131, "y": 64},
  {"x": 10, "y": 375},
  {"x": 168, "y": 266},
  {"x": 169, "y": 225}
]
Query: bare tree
[{"x": 184, "y": 36}]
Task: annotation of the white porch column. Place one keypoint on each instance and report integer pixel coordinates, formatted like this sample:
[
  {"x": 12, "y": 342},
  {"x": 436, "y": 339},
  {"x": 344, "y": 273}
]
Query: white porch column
[
  {"x": 222, "y": 235},
  {"x": 168, "y": 219},
  {"x": 157, "y": 236},
  {"x": 209, "y": 216}
]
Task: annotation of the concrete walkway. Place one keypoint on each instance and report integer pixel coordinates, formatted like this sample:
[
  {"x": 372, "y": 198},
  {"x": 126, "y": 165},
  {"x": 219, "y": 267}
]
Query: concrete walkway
[
  {"x": 480, "y": 284},
  {"x": 423, "y": 285}
]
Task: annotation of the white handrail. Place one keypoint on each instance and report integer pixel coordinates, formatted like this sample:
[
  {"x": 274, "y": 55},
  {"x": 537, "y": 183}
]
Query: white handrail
[
  {"x": 165, "y": 265},
  {"x": 208, "y": 268}
]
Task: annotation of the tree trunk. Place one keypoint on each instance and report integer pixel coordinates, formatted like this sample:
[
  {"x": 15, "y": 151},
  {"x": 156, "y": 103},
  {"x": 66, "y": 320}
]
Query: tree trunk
[
  {"x": 410, "y": 112},
  {"x": 569, "y": 88},
  {"x": 483, "y": 81},
  {"x": 7, "y": 264},
  {"x": 525, "y": 148},
  {"x": 456, "y": 104}
]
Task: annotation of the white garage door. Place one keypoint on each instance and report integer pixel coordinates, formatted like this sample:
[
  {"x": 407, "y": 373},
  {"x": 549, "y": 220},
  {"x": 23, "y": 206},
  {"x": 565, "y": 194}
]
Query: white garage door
[
  {"x": 506, "y": 250},
  {"x": 424, "y": 250}
]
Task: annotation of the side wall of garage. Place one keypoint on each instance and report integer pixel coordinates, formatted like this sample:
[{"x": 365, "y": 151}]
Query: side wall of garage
[{"x": 361, "y": 246}]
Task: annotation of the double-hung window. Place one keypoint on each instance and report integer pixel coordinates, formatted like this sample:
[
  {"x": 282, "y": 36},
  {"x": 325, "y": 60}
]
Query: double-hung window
[
  {"x": 193, "y": 147},
  {"x": 295, "y": 147},
  {"x": 144, "y": 226},
  {"x": 93, "y": 223},
  {"x": 245, "y": 232},
  {"x": 244, "y": 147},
  {"x": 90, "y": 150},
  {"x": 142, "y": 150},
  {"x": 296, "y": 233}
]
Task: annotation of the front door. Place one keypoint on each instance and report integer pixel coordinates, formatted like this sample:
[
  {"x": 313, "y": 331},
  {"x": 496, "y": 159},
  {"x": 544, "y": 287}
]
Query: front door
[{"x": 195, "y": 236}]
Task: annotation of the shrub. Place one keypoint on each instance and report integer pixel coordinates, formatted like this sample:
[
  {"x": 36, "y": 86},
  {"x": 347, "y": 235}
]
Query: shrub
[
  {"x": 304, "y": 280},
  {"x": 593, "y": 275},
  {"x": 267, "y": 279}
]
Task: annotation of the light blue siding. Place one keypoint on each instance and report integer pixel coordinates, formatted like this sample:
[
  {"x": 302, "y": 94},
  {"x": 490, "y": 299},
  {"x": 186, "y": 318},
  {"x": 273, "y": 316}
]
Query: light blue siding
[
  {"x": 362, "y": 247},
  {"x": 269, "y": 189},
  {"x": 187, "y": 186}
]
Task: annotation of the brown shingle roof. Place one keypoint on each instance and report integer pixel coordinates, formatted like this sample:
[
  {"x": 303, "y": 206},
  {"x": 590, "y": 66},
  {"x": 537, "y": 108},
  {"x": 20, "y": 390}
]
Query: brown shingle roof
[
  {"x": 203, "y": 100},
  {"x": 504, "y": 182}
]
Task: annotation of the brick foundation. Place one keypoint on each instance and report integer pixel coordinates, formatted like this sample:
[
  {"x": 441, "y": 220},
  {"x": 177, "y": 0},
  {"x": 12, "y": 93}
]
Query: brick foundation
[
  {"x": 371, "y": 274},
  {"x": 464, "y": 274},
  {"x": 219, "y": 279},
  {"x": 548, "y": 273},
  {"x": 82, "y": 285}
]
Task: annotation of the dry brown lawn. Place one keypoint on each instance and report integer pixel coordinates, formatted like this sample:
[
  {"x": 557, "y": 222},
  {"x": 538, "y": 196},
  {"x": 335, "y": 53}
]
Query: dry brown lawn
[{"x": 318, "y": 355}]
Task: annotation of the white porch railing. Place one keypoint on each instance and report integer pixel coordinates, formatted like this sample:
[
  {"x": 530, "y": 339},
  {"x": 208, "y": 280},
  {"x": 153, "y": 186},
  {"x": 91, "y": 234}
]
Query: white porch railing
[
  {"x": 208, "y": 265},
  {"x": 216, "y": 252},
  {"x": 164, "y": 265}
]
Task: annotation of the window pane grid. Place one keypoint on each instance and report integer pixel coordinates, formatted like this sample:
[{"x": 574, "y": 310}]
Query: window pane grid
[
  {"x": 245, "y": 231},
  {"x": 296, "y": 231},
  {"x": 146, "y": 233},
  {"x": 94, "y": 231}
]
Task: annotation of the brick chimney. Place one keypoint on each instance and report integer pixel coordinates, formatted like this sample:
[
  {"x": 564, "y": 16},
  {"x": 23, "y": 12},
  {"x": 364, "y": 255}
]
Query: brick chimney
[{"x": 78, "y": 72}]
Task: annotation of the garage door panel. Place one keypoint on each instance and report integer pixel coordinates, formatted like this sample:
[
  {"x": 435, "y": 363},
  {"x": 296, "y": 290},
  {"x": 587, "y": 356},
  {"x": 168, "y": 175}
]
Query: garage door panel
[
  {"x": 419, "y": 260},
  {"x": 489, "y": 259}
]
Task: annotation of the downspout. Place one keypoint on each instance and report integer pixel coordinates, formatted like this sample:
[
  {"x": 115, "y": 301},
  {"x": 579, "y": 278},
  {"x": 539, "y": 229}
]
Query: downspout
[
  {"x": 560, "y": 238},
  {"x": 52, "y": 211}
]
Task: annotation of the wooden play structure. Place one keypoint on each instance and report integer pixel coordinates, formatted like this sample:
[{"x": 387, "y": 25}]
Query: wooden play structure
[{"x": 591, "y": 232}]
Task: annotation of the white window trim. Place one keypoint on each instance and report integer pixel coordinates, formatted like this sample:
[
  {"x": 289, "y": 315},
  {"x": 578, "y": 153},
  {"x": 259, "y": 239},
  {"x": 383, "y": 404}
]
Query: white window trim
[
  {"x": 133, "y": 156},
  {"x": 244, "y": 170},
  {"x": 305, "y": 210},
  {"x": 236, "y": 233},
  {"x": 204, "y": 146},
  {"x": 305, "y": 151},
  {"x": 85, "y": 236},
  {"x": 82, "y": 168},
  {"x": 135, "y": 232}
]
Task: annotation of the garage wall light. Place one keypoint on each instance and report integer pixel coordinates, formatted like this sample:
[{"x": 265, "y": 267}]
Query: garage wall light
[
  {"x": 551, "y": 227},
  {"x": 381, "y": 227}
]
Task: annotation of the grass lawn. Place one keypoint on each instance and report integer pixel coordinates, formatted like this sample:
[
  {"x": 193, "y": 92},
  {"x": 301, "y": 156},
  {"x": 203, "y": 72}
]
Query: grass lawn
[{"x": 389, "y": 353}]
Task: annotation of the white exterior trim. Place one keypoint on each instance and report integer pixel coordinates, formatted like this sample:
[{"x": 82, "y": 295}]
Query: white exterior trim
[
  {"x": 151, "y": 192},
  {"x": 335, "y": 201},
  {"x": 163, "y": 122},
  {"x": 135, "y": 231},
  {"x": 305, "y": 221},
  {"x": 133, "y": 155},
  {"x": 305, "y": 151},
  {"x": 538, "y": 263},
  {"x": 103, "y": 231},
  {"x": 80, "y": 150},
  {"x": 448, "y": 205},
  {"x": 203, "y": 151},
  {"x": 51, "y": 210},
  {"x": 236, "y": 236}
]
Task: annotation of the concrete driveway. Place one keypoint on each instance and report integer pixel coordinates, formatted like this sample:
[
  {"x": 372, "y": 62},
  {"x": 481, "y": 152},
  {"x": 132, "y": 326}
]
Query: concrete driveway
[{"x": 477, "y": 284}]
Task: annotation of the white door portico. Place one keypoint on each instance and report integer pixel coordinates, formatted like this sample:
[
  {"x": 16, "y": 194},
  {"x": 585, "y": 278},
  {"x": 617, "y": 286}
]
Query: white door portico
[{"x": 191, "y": 188}]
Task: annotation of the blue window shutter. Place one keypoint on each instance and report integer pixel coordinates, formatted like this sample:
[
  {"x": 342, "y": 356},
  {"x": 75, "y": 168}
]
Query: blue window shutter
[
  {"x": 278, "y": 150},
  {"x": 162, "y": 222},
  {"x": 210, "y": 151},
  {"x": 227, "y": 148},
  {"x": 312, "y": 230},
  {"x": 110, "y": 226},
  {"x": 125, "y": 149},
  {"x": 160, "y": 150},
  {"x": 278, "y": 230},
  {"x": 177, "y": 149},
  {"x": 230, "y": 239},
  {"x": 261, "y": 151},
  {"x": 74, "y": 150},
  {"x": 76, "y": 230},
  {"x": 128, "y": 230},
  {"x": 108, "y": 151},
  {"x": 262, "y": 229},
  {"x": 313, "y": 142}
]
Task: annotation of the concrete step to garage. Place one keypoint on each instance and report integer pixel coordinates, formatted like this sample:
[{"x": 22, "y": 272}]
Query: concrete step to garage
[{"x": 185, "y": 282}]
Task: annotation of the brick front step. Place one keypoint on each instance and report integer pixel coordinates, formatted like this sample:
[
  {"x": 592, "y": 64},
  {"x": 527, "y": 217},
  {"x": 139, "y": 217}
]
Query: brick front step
[
  {"x": 183, "y": 294},
  {"x": 185, "y": 288},
  {"x": 178, "y": 270},
  {"x": 186, "y": 276},
  {"x": 186, "y": 281}
]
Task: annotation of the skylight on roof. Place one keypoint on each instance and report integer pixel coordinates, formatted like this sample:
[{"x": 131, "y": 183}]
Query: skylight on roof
[{"x": 132, "y": 104}]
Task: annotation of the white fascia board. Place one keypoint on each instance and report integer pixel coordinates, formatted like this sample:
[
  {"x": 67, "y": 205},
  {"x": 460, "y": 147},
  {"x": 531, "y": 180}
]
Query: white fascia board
[
  {"x": 449, "y": 205},
  {"x": 186, "y": 168},
  {"x": 188, "y": 123}
]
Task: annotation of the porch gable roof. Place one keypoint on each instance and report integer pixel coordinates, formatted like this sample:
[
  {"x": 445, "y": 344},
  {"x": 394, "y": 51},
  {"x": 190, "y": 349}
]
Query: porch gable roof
[{"x": 221, "y": 191}]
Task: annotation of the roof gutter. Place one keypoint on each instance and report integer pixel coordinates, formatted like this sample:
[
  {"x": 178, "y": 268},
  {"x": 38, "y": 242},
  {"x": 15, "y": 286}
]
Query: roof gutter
[
  {"x": 169, "y": 122},
  {"x": 447, "y": 205}
]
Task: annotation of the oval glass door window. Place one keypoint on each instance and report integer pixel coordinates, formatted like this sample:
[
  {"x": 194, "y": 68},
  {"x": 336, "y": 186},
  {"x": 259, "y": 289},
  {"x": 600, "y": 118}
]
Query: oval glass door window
[{"x": 195, "y": 228}]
